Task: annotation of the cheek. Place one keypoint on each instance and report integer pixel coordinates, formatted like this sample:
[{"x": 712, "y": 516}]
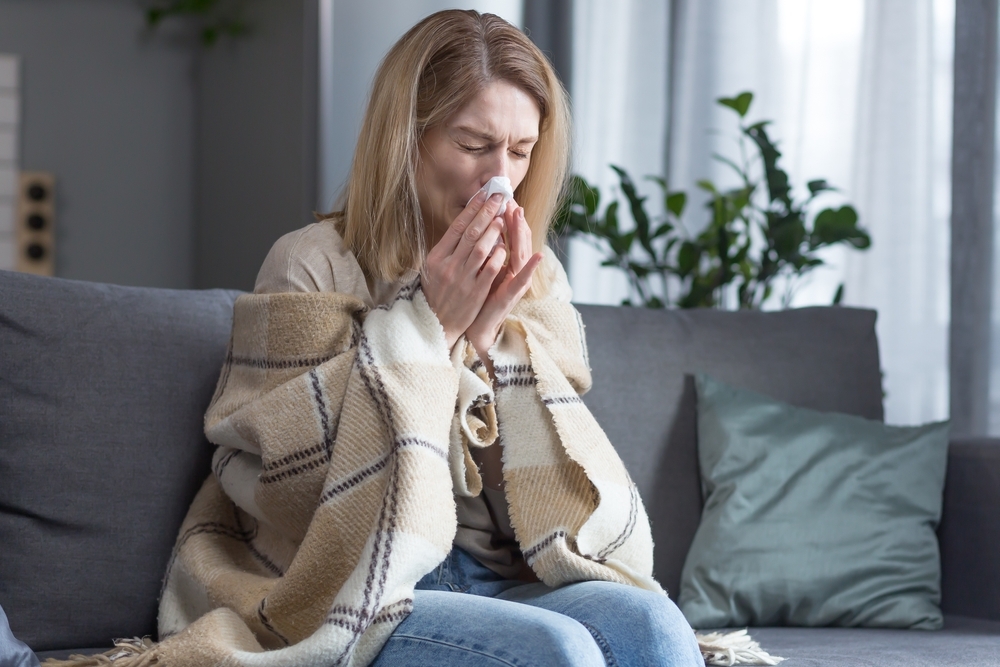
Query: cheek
[
  {"x": 451, "y": 174},
  {"x": 518, "y": 171}
]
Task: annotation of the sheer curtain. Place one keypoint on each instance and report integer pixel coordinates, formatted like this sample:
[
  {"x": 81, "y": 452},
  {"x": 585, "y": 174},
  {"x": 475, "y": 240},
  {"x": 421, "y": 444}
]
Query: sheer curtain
[
  {"x": 619, "y": 91},
  {"x": 860, "y": 94}
]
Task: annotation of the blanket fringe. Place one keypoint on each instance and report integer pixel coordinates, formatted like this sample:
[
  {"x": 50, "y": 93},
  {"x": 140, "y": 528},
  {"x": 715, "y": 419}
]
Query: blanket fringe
[
  {"x": 733, "y": 648},
  {"x": 134, "y": 652}
]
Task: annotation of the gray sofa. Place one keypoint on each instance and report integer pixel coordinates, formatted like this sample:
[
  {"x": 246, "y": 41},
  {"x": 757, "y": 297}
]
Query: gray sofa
[{"x": 102, "y": 391}]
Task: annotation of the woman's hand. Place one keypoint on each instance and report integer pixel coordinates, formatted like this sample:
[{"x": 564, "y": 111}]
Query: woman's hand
[
  {"x": 509, "y": 285},
  {"x": 463, "y": 266}
]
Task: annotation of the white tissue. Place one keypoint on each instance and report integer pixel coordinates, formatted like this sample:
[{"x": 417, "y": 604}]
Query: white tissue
[{"x": 498, "y": 185}]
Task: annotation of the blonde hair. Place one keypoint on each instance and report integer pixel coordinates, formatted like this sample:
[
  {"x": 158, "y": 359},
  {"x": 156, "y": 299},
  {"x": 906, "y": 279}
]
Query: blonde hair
[{"x": 433, "y": 71}]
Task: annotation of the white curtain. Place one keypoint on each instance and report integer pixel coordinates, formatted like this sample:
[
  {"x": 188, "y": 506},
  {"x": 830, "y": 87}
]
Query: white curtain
[
  {"x": 860, "y": 94},
  {"x": 619, "y": 91}
]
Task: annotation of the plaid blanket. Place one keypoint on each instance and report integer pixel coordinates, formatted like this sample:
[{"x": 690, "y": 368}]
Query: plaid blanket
[{"x": 343, "y": 434}]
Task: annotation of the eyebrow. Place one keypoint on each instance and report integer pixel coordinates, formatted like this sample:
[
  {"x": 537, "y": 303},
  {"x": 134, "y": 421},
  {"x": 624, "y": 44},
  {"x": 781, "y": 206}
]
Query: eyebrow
[{"x": 489, "y": 137}]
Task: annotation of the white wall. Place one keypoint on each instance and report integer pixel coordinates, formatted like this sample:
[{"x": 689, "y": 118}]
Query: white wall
[
  {"x": 256, "y": 141},
  {"x": 353, "y": 38}
]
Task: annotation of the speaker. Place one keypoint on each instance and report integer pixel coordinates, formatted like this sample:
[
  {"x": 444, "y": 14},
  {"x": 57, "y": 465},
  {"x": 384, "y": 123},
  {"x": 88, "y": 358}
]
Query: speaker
[{"x": 35, "y": 242}]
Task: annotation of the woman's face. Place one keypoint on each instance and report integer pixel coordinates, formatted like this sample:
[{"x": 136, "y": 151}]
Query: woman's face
[{"x": 492, "y": 135}]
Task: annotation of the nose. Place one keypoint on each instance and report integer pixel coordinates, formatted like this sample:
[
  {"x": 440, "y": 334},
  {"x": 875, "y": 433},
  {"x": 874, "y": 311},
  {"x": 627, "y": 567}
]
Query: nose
[{"x": 499, "y": 165}]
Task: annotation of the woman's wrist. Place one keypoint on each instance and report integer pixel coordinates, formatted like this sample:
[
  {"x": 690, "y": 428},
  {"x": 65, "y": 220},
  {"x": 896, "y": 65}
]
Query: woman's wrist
[
  {"x": 483, "y": 342},
  {"x": 451, "y": 340}
]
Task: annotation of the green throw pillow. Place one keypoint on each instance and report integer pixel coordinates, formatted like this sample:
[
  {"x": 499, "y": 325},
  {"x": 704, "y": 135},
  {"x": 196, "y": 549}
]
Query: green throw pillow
[{"x": 813, "y": 518}]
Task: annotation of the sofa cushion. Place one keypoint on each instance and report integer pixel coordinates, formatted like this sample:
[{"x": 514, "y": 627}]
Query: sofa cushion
[
  {"x": 813, "y": 518},
  {"x": 964, "y": 642},
  {"x": 102, "y": 392},
  {"x": 643, "y": 363}
]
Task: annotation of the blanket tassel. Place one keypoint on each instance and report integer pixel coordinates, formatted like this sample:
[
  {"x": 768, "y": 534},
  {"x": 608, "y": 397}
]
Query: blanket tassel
[
  {"x": 733, "y": 648},
  {"x": 133, "y": 652}
]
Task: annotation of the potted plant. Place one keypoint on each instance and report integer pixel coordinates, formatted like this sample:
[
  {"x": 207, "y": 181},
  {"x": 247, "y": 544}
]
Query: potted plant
[{"x": 757, "y": 235}]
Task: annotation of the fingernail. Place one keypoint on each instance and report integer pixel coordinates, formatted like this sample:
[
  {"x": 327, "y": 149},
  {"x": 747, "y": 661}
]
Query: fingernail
[
  {"x": 481, "y": 195},
  {"x": 496, "y": 197}
]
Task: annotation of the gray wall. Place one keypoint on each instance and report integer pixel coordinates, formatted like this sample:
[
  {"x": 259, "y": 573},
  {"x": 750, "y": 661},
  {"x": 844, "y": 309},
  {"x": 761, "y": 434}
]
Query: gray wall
[
  {"x": 110, "y": 112},
  {"x": 256, "y": 138}
]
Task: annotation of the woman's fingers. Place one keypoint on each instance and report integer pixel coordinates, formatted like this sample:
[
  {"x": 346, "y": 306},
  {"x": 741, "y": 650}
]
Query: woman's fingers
[
  {"x": 484, "y": 246},
  {"x": 498, "y": 305},
  {"x": 503, "y": 300},
  {"x": 491, "y": 269},
  {"x": 460, "y": 225},
  {"x": 520, "y": 241},
  {"x": 522, "y": 280},
  {"x": 477, "y": 228}
]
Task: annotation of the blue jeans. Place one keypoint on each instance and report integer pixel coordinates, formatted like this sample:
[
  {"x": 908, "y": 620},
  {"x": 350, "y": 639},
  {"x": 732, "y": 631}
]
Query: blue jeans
[
  {"x": 13, "y": 652},
  {"x": 465, "y": 614}
]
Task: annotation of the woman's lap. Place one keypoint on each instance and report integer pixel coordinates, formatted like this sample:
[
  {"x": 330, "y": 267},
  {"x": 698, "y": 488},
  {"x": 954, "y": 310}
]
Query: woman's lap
[
  {"x": 631, "y": 626},
  {"x": 463, "y": 614},
  {"x": 447, "y": 629}
]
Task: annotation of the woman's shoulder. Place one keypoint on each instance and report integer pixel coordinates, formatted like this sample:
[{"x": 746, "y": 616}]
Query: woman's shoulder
[{"x": 312, "y": 259}]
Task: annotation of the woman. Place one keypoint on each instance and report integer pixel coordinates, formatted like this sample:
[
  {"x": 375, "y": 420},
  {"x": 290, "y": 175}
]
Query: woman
[{"x": 405, "y": 473}]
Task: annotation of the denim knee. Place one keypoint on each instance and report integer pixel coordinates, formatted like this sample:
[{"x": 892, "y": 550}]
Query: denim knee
[
  {"x": 631, "y": 625},
  {"x": 561, "y": 641}
]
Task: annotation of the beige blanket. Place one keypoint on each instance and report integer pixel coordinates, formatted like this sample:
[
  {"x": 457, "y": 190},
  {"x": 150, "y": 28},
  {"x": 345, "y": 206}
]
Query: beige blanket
[{"x": 343, "y": 435}]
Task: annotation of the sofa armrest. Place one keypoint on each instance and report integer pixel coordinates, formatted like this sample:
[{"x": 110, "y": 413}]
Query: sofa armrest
[{"x": 969, "y": 533}]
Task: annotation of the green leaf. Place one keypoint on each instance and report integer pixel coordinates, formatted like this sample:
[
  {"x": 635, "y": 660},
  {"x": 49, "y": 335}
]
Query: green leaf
[
  {"x": 777, "y": 179},
  {"x": 687, "y": 258},
  {"x": 591, "y": 199},
  {"x": 662, "y": 230},
  {"x": 611, "y": 219},
  {"x": 707, "y": 186},
  {"x": 675, "y": 203},
  {"x": 640, "y": 270},
  {"x": 838, "y": 226},
  {"x": 740, "y": 104},
  {"x": 637, "y": 206},
  {"x": 787, "y": 233},
  {"x": 817, "y": 186},
  {"x": 622, "y": 245}
]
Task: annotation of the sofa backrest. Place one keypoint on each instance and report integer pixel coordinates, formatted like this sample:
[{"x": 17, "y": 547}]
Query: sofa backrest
[
  {"x": 102, "y": 394},
  {"x": 103, "y": 389},
  {"x": 643, "y": 395}
]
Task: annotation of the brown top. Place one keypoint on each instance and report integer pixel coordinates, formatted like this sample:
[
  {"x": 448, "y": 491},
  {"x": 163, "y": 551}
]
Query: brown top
[{"x": 314, "y": 259}]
